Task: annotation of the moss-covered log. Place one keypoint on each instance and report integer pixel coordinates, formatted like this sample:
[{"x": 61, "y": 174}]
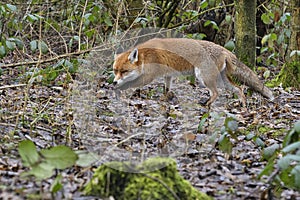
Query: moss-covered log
[{"x": 158, "y": 178}]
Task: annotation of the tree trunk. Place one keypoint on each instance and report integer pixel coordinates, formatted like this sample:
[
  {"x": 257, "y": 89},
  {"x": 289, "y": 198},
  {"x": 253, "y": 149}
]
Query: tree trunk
[
  {"x": 295, "y": 28},
  {"x": 245, "y": 31}
]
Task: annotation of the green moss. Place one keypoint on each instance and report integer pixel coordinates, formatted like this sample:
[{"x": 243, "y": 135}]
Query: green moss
[
  {"x": 158, "y": 179},
  {"x": 289, "y": 76},
  {"x": 262, "y": 129}
]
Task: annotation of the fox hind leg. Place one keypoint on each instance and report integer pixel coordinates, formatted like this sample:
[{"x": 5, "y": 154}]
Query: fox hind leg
[
  {"x": 168, "y": 82},
  {"x": 230, "y": 85},
  {"x": 210, "y": 82}
]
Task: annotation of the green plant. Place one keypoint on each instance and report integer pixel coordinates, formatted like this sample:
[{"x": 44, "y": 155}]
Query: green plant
[
  {"x": 227, "y": 131},
  {"x": 42, "y": 164},
  {"x": 275, "y": 42},
  {"x": 224, "y": 135},
  {"x": 283, "y": 168}
]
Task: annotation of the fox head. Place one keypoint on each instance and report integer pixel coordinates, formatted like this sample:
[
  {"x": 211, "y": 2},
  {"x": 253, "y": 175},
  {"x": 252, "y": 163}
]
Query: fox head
[{"x": 127, "y": 68}]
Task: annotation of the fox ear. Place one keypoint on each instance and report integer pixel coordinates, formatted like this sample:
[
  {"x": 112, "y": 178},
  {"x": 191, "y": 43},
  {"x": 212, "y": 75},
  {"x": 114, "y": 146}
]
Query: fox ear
[{"x": 133, "y": 56}]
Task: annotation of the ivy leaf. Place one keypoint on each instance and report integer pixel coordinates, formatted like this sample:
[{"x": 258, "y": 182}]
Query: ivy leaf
[
  {"x": 297, "y": 127},
  {"x": 108, "y": 21},
  {"x": 43, "y": 47},
  {"x": 259, "y": 142},
  {"x": 231, "y": 124},
  {"x": 270, "y": 150},
  {"x": 228, "y": 18},
  {"x": 203, "y": 4},
  {"x": 296, "y": 172},
  {"x": 225, "y": 144},
  {"x": 284, "y": 162},
  {"x": 32, "y": 17},
  {"x": 2, "y": 51},
  {"x": 266, "y": 18},
  {"x": 292, "y": 147},
  {"x": 10, "y": 45},
  {"x": 230, "y": 45},
  {"x": 33, "y": 45},
  {"x": 214, "y": 24}
]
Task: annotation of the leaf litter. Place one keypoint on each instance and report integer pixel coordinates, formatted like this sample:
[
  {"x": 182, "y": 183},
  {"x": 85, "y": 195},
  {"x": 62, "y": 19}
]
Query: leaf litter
[{"x": 155, "y": 125}]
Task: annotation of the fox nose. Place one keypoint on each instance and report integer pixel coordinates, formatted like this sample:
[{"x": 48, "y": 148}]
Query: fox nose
[{"x": 115, "y": 83}]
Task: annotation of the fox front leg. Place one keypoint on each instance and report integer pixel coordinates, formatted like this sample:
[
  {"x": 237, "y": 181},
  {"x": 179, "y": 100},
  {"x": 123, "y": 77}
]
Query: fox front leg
[{"x": 168, "y": 82}]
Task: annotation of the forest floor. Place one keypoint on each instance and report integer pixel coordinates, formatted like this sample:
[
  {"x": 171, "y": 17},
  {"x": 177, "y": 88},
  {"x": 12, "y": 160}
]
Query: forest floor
[{"x": 145, "y": 121}]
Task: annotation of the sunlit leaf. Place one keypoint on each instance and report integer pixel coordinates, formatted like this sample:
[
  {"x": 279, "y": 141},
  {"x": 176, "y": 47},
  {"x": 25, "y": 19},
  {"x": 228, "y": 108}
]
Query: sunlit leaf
[
  {"x": 203, "y": 4},
  {"x": 11, "y": 7},
  {"x": 265, "y": 39},
  {"x": 295, "y": 52},
  {"x": 32, "y": 17},
  {"x": 267, "y": 74},
  {"x": 214, "y": 24},
  {"x": 273, "y": 36},
  {"x": 266, "y": 18}
]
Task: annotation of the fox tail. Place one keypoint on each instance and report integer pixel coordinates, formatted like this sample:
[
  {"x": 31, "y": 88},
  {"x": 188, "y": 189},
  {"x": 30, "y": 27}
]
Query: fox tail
[{"x": 245, "y": 75}]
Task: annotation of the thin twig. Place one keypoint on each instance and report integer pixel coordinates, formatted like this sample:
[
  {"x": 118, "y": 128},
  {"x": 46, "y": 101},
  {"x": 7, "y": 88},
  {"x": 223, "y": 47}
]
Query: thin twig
[
  {"x": 46, "y": 60},
  {"x": 201, "y": 13},
  {"x": 11, "y": 86},
  {"x": 80, "y": 26}
]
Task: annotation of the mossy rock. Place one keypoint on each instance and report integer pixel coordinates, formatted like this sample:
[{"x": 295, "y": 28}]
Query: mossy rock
[{"x": 156, "y": 178}]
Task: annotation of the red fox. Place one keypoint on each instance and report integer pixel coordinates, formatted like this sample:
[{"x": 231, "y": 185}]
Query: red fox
[{"x": 169, "y": 57}]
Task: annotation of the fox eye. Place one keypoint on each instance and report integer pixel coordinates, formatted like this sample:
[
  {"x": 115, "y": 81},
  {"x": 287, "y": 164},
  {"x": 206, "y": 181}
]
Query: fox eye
[{"x": 124, "y": 71}]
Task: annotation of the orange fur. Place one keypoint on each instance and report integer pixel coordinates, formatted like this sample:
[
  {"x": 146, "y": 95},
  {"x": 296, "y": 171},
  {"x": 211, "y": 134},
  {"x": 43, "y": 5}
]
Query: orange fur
[{"x": 173, "y": 56}]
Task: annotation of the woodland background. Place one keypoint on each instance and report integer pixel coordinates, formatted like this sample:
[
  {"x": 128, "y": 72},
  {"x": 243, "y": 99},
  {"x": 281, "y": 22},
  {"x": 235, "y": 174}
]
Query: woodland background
[{"x": 44, "y": 44}]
